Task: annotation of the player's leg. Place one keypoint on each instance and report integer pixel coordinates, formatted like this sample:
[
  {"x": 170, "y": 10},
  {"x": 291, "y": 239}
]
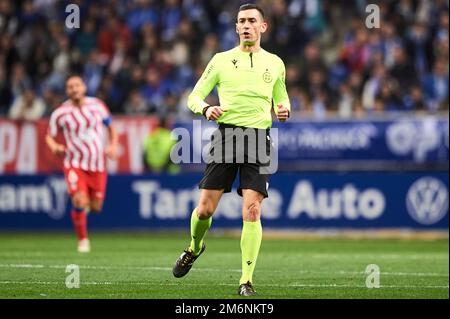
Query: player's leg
[
  {"x": 77, "y": 189},
  {"x": 201, "y": 219},
  {"x": 80, "y": 203},
  {"x": 218, "y": 179},
  {"x": 97, "y": 186},
  {"x": 250, "y": 238},
  {"x": 95, "y": 205},
  {"x": 253, "y": 188}
]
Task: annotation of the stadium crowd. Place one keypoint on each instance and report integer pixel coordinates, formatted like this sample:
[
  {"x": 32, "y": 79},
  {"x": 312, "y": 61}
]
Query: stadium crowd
[{"x": 144, "y": 56}]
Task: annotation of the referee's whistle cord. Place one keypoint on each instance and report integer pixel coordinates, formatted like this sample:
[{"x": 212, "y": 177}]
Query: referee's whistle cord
[{"x": 251, "y": 59}]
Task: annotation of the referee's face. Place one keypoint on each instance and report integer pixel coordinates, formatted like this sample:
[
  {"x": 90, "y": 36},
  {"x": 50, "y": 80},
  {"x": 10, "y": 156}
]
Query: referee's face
[{"x": 249, "y": 26}]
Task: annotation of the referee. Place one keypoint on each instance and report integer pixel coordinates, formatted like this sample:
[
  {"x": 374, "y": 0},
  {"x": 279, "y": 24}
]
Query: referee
[{"x": 250, "y": 82}]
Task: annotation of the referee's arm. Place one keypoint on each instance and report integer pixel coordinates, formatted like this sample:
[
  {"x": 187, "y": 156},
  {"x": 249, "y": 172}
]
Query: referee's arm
[
  {"x": 210, "y": 77},
  {"x": 282, "y": 106}
]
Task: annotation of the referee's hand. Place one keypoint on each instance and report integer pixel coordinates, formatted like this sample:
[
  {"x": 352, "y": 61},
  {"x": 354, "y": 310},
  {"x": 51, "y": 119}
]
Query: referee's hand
[
  {"x": 283, "y": 113},
  {"x": 214, "y": 112}
]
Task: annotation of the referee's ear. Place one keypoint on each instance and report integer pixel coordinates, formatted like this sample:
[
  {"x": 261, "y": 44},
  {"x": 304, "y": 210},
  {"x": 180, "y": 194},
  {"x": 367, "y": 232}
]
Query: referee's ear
[{"x": 264, "y": 26}]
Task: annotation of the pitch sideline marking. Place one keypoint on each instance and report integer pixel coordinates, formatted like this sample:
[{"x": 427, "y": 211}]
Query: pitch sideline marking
[{"x": 343, "y": 272}]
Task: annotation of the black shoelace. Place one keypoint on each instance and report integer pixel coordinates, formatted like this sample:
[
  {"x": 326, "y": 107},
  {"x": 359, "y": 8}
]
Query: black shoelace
[{"x": 187, "y": 258}]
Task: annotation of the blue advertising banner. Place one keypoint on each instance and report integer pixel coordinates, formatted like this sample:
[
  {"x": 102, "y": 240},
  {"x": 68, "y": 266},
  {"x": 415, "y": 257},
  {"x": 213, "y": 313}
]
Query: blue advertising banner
[
  {"x": 296, "y": 200},
  {"x": 409, "y": 140}
]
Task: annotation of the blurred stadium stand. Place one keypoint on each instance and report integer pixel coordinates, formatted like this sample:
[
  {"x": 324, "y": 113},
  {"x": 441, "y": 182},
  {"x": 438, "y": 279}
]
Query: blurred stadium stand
[{"x": 143, "y": 56}]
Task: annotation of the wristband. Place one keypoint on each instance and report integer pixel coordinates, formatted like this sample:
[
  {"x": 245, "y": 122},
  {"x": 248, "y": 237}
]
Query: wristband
[{"x": 205, "y": 109}]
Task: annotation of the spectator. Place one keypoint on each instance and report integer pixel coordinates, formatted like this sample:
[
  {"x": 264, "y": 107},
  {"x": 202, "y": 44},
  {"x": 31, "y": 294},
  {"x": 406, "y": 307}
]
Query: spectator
[
  {"x": 435, "y": 86},
  {"x": 390, "y": 42},
  {"x": 355, "y": 54},
  {"x": 318, "y": 93},
  {"x": 9, "y": 22},
  {"x": 346, "y": 101},
  {"x": 93, "y": 72},
  {"x": 170, "y": 19},
  {"x": 389, "y": 96},
  {"x": 51, "y": 99},
  {"x": 142, "y": 13},
  {"x": 358, "y": 109},
  {"x": 372, "y": 87},
  {"x": 10, "y": 55},
  {"x": 19, "y": 79},
  {"x": 403, "y": 70},
  {"x": 136, "y": 104},
  {"x": 114, "y": 31},
  {"x": 419, "y": 43},
  {"x": 414, "y": 100},
  {"x": 209, "y": 48},
  {"x": 5, "y": 92},
  {"x": 86, "y": 39},
  {"x": 310, "y": 60},
  {"x": 27, "y": 106}
]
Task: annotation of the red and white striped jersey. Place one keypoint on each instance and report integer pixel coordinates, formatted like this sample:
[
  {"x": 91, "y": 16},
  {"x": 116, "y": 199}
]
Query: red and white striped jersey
[{"x": 83, "y": 132}]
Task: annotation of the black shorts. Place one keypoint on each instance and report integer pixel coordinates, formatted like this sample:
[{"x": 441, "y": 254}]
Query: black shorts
[{"x": 234, "y": 149}]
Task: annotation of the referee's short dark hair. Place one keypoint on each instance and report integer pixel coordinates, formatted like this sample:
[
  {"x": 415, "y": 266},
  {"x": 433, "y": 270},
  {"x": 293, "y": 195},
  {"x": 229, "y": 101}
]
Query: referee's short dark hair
[{"x": 249, "y": 6}]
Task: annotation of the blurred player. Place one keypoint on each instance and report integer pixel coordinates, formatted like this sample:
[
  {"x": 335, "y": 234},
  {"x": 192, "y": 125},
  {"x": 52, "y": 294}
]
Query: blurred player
[
  {"x": 250, "y": 81},
  {"x": 81, "y": 120}
]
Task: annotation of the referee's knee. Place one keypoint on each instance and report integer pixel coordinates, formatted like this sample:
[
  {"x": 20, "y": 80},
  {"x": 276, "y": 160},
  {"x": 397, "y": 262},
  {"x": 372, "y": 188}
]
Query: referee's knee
[
  {"x": 252, "y": 211},
  {"x": 205, "y": 210}
]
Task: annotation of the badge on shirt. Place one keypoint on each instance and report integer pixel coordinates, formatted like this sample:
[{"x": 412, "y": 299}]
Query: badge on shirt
[{"x": 267, "y": 77}]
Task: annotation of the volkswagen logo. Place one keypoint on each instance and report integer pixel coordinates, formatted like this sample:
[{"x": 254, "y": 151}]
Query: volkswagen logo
[{"x": 427, "y": 200}]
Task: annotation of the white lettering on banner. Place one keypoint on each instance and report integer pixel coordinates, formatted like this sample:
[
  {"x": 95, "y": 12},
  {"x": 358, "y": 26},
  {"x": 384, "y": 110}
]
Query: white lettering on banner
[
  {"x": 165, "y": 204},
  {"x": 354, "y": 137},
  {"x": 7, "y": 198},
  {"x": 271, "y": 206},
  {"x": 162, "y": 203},
  {"x": 350, "y": 198},
  {"x": 405, "y": 137},
  {"x": 186, "y": 198},
  {"x": 348, "y": 202},
  {"x": 230, "y": 206},
  {"x": 35, "y": 198},
  {"x": 371, "y": 203},
  {"x": 145, "y": 190},
  {"x": 18, "y": 145},
  {"x": 27, "y": 153},
  {"x": 49, "y": 197},
  {"x": 58, "y": 187},
  {"x": 8, "y": 142}
]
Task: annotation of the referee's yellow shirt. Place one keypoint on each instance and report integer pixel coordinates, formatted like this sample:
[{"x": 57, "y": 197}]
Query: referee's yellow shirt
[{"x": 247, "y": 83}]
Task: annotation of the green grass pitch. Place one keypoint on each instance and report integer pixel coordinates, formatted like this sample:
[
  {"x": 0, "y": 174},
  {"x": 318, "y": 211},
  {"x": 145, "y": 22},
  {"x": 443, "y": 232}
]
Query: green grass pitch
[{"x": 138, "y": 265}]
